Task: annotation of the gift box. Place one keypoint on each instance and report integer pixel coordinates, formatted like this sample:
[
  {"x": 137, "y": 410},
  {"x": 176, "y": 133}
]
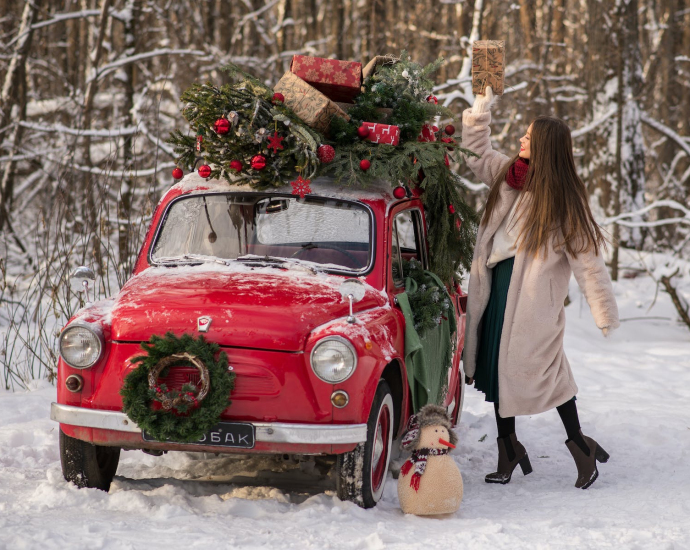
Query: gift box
[
  {"x": 308, "y": 103},
  {"x": 428, "y": 133},
  {"x": 382, "y": 133},
  {"x": 488, "y": 65},
  {"x": 338, "y": 80}
]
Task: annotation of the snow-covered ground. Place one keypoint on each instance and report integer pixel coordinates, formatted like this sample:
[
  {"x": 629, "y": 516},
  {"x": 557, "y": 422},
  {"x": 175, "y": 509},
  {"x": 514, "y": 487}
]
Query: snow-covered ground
[{"x": 634, "y": 400}]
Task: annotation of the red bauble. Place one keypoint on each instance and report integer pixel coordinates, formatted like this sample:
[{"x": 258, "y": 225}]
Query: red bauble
[
  {"x": 432, "y": 99},
  {"x": 258, "y": 162},
  {"x": 204, "y": 171},
  {"x": 451, "y": 209},
  {"x": 363, "y": 131},
  {"x": 236, "y": 165},
  {"x": 364, "y": 164},
  {"x": 326, "y": 153},
  {"x": 221, "y": 126},
  {"x": 278, "y": 98},
  {"x": 177, "y": 173},
  {"x": 450, "y": 130},
  {"x": 399, "y": 192}
]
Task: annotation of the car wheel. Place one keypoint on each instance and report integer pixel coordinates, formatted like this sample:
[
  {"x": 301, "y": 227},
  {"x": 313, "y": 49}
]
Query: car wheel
[
  {"x": 88, "y": 465},
  {"x": 362, "y": 473}
]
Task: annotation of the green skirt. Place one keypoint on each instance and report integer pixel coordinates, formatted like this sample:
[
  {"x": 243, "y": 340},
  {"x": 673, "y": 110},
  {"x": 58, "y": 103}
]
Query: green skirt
[{"x": 486, "y": 374}]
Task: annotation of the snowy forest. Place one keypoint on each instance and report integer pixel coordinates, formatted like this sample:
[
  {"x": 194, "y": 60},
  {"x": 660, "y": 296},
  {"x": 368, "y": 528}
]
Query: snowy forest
[{"x": 90, "y": 92}]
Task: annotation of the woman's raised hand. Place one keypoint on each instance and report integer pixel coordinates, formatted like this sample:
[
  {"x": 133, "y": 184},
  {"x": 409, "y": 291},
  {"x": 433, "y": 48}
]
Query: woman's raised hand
[{"x": 483, "y": 102}]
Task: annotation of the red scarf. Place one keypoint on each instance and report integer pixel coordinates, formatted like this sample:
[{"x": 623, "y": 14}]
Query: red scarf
[{"x": 517, "y": 173}]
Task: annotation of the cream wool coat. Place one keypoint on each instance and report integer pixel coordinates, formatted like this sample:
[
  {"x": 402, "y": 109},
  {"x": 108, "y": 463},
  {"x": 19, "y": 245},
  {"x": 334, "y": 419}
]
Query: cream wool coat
[{"x": 533, "y": 372}]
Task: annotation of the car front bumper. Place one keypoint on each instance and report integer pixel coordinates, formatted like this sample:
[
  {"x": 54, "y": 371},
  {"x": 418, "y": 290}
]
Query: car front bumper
[{"x": 266, "y": 432}]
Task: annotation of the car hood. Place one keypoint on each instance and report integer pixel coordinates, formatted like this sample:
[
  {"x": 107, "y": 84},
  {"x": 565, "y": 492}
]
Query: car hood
[{"x": 262, "y": 308}]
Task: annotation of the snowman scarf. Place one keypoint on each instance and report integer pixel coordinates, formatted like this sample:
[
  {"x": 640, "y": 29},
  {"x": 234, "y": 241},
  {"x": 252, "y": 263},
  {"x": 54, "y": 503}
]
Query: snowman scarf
[{"x": 418, "y": 461}]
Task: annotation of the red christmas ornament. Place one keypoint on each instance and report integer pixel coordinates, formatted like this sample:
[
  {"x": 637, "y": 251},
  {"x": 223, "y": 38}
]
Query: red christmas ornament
[
  {"x": 451, "y": 209},
  {"x": 432, "y": 99},
  {"x": 204, "y": 171},
  {"x": 364, "y": 165},
  {"x": 300, "y": 187},
  {"x": 274, "y": 142},
  {"x": 326, "y": 154},
  {"x": 363, "y": 131},
  {"x": 258, "y": 162},
  {"x": 399, "y": 192},
  {"x": 278, "y": 98},
  {"x": 448, "y": 140},
  {"x": 199, "y": 141},
  {"x": 450, "y": 130},
  {"x": 221, "y": 126},
  {"x": 177, "y": 173},
  {"x": 236, "y": 165}
]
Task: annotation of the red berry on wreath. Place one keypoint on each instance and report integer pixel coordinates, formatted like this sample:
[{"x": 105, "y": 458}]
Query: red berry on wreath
[
  {"x": 326, "y": 153},
  {"x": 258, "y": 162},
  {"x": 451, "y": 209},
  {"x": 278, "y": 98},
  {"x": 204, "y": 171},
  {"x": 236, "y": 165},
  {"x": 364, "y": 165},
  {"x": 363, "y": 131},
  {"x": 450, "y": 130},
  {"x": 177, "y": 173},
  {"x": 432, "y": 99},
  {"x": 221, "y": 126}
]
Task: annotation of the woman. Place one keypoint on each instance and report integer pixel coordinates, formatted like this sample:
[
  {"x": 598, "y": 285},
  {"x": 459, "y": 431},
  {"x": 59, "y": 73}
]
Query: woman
[{"x": 537, "y": 228}]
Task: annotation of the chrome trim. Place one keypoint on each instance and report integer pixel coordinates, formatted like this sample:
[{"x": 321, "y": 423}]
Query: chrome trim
[
  {"x": 339, "y": 339},
  {"x": 93, "y": 327},
  {"x": 350, "y": 272},
  {"x": 270, "y": 432}
]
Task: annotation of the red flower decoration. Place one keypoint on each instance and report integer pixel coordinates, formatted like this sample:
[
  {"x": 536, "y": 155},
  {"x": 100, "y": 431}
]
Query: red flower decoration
[
  {"x": 300, "y": 187},
  {"x": 221, "y": 126},
  {"x": 274, "y": 142},
  {"x": 177, "y": 173},
  {"x": 258, "y": 162}
]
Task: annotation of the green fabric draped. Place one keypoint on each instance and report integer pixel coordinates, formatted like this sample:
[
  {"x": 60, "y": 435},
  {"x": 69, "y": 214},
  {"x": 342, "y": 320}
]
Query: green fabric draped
[{"x": 429, "y": 356}]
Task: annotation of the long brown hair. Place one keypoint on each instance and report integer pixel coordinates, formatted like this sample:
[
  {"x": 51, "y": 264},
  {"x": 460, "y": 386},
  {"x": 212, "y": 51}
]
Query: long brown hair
[{"x": 557, "y": 207}]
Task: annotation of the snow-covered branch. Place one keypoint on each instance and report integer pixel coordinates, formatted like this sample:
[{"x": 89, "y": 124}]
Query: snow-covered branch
[
  {"x": 592, "y": 125},
  {"x": 621, "y": 218},
  {"x": 108, "y": 68},
  {"x": 60, "y": 129},
  {"x": 668, "y": 132},
  {"x": 57, "y": 18}
]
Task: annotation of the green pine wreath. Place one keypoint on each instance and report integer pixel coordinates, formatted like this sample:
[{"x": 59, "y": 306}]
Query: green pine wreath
[{"x": 181, "y": 423}]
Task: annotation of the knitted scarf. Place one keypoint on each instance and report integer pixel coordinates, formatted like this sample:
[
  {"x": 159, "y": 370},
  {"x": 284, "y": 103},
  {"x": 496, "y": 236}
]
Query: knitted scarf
[
  {"x": 517, "y": 173},
  {"x": 418, "y": 460}
]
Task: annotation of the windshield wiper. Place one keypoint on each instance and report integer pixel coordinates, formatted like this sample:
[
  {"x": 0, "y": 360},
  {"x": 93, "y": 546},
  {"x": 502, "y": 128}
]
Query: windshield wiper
[
  {"x": 191, "y": 258},
  {"x": 274, "y": 261}
]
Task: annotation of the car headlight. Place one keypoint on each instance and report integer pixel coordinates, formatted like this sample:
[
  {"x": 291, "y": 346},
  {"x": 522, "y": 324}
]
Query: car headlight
[
  {"x": 81, "y": 346},
  {"x": 333, "y": 359}
]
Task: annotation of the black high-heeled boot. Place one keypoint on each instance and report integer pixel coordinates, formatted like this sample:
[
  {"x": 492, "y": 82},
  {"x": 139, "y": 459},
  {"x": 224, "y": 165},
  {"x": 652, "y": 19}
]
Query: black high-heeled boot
[
  {"x": 587, "y": 471},
  {"x": 510, "y": 453}
]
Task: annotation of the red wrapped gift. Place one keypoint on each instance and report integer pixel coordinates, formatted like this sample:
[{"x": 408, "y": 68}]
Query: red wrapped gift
[
  {"x": 382, "y": 133},
  {"x": 337, "y": 80},
  {"x": 428, "y": 133}
]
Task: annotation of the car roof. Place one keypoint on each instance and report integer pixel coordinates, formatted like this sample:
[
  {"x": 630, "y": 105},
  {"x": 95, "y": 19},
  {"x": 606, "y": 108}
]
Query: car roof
[{"x": 322, "y": 186}]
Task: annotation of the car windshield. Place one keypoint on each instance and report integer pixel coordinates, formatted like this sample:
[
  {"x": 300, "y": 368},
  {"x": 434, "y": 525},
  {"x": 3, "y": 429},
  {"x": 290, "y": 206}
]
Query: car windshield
[{"x": 266, "y": 228}]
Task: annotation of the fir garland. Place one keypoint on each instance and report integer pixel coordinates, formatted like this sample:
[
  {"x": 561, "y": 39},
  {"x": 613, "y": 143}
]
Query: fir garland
[
  {"x": 429, "y": 303},
  {"x": 189, "y": 425}
]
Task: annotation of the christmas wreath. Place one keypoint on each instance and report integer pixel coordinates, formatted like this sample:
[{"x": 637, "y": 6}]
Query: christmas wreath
[
  {"x": 168, "y": 414},
  {"x": 244, "y": 132}
]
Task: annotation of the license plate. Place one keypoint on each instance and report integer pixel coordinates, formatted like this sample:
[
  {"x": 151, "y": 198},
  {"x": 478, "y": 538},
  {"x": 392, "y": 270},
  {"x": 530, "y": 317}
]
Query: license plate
[{"x": 223, "y": 434}]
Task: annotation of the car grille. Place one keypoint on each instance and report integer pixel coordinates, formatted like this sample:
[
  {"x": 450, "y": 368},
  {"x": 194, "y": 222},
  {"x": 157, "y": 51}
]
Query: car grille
[{"x": 250, "y": 381}]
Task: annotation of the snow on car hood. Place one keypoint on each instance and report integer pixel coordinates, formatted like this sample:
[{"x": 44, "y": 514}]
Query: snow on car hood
[{"x": 262, "y": 308}]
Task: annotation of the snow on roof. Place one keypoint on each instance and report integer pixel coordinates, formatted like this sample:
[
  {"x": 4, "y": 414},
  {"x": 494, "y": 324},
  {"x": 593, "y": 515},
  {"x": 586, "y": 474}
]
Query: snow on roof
[{"x": 322, "y": 186}]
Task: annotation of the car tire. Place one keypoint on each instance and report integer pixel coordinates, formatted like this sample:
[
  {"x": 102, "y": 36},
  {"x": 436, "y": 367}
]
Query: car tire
[
  {"x": 361, "y": 473},
  {"x": 86, "y": 464}
]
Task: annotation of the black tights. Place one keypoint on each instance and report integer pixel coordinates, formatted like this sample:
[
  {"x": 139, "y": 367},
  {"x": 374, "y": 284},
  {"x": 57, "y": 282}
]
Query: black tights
[{"x": 568, "y": 413}]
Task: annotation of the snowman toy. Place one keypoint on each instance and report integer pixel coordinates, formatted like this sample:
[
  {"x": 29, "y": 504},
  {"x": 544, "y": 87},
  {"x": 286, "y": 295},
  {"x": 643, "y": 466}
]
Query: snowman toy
[{"x": 430, "y": 482}]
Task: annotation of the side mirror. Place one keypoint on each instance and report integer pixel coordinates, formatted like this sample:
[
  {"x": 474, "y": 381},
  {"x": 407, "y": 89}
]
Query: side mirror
[
  {"x": 352, "y": 290},
  {"x": 81, "y": 279}
]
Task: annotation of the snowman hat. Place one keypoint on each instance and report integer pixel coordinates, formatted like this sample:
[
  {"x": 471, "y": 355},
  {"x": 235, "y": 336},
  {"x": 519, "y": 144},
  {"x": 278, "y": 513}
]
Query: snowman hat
[{"x": 428, "y": 415}]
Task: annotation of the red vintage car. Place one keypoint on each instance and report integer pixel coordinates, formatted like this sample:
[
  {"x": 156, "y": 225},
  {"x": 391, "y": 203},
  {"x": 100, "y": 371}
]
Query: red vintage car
[{"x": 300, "y": 292}]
